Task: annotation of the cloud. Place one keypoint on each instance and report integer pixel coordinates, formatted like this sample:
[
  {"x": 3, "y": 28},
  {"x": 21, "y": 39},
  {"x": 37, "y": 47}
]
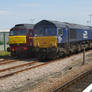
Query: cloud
[
  {"x": 30, "y": 5},
  {"x": 4, "y": 12},
  {"x": 33, "y": 5}
]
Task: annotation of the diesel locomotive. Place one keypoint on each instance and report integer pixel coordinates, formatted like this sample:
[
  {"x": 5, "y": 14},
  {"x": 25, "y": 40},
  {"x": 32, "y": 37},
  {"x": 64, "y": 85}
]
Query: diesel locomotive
[
  {"x": 20, "y": 39},
  {"x": 50, "y": 39},
  {"x": 55, "y": 39}
]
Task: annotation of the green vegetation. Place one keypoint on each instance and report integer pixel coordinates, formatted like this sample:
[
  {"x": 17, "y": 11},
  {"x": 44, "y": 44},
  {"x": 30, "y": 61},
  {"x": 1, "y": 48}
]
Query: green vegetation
[
  {"x": 4, "y": 54},
  {"x": 1, "y": 43}
]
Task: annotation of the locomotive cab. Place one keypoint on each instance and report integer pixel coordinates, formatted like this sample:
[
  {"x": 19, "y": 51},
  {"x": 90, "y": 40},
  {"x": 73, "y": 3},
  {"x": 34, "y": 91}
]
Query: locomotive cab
[
  {"x": 20, "y": 39},
  {"x": 17, "y": 36},
  {"x": 45, "y": 39},
  {"x": 49, "y": 37}
]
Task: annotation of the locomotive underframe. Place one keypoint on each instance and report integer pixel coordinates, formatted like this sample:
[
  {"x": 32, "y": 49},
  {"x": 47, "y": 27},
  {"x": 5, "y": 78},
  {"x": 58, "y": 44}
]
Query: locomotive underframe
[
  {"x": 20, "y": 50},
  {"x": 62, "y": 49},
  {"x": 43, "y": 53},
  {"x": 73, "y": 47}
]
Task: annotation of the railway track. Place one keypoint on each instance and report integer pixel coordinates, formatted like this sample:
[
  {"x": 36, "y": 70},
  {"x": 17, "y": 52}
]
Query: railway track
[
  {"x": 7, "y": 62},
  {"x": 6, "y": 72},
  {"x": 22, "y": 67},
  {"x": 65, "y": 86},
  {"x": 2, "y": 62}
]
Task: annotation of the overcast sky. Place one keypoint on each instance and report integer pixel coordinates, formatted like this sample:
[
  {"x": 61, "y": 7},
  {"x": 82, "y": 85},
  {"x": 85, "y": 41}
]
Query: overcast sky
[{"x": 31, "y": 11}]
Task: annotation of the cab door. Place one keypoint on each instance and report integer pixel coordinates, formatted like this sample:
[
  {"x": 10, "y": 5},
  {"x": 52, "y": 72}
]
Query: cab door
[
  {"x": 60, "y": 33},
  {"x": 30, "y": 37}
]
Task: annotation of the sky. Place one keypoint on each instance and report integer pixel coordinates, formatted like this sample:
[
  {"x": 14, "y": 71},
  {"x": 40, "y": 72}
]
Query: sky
[{"x": 32, "y": 11}]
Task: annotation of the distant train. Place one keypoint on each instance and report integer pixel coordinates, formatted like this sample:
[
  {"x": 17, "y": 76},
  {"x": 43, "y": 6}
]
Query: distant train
[{"x": 49, "y": 39}]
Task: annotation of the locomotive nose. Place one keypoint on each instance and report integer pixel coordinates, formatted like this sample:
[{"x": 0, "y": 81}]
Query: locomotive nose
[
  {"x": 17, "y": 39},
  {"x": 45, "y": 42}
]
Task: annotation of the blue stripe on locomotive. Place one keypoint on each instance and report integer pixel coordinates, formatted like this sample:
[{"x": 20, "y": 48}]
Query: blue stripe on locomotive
[{"x": 81, "y": 35}]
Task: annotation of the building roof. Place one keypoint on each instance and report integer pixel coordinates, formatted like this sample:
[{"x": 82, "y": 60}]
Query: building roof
[{"x": 4, "y": 30}]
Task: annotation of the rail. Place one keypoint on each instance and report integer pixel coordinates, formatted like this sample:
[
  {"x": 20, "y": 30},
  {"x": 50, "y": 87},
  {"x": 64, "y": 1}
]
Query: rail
[{"x": 74, "y": 80}]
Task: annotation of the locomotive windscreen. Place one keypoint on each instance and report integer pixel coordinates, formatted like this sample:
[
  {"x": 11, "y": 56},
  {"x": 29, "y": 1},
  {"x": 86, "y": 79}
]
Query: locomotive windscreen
[
  {"x": 45, "y": 32},
  {"x": 17, "y": 32}
]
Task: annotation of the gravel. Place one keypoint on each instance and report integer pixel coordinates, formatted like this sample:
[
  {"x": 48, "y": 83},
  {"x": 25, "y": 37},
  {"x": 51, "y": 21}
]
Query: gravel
[
  {"x": 18, "y": 68},
  {"x": 80, "y": 85},
  {"x": 12, "y": 64},
  {"x": 32, "y": 76}
]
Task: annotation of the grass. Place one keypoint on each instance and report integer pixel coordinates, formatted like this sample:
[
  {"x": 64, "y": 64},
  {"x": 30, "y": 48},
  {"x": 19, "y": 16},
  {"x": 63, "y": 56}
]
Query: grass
[
  {"x": 4, "y": 54},
  {"x": 1, "y": 43}
]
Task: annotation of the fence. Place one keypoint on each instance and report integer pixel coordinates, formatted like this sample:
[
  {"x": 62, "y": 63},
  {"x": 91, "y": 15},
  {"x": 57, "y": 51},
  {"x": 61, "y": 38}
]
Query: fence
[{"x": 4, "y": 40}]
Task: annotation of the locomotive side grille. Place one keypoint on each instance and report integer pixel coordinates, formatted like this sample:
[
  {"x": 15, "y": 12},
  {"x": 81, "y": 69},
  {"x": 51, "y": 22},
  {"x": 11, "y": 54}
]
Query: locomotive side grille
[{"x": 72, "y": 34}]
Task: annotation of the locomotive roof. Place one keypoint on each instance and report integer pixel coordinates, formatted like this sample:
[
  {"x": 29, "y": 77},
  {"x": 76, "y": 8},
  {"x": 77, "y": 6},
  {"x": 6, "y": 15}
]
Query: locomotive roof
[
  {"x": 66, "y": 24},
  {"x": 71, "y": 25},
  {"x": 77, "y": 26},
  {"x": 28, "y": 26}
]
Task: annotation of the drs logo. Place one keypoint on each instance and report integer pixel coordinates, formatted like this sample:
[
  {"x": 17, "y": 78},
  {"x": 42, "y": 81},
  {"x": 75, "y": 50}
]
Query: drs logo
[{"x": 85, "y": 34}]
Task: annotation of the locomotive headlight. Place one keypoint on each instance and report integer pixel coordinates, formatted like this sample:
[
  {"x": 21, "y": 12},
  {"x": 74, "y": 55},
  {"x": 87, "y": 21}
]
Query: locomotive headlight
[
  {"x": 13, "y": 49},
  {"x": 37, "y": 44},
  {"x": 52, "y": 45},
  {"x": 55, "y": 44},
  {"x": 30, "y": 43}
]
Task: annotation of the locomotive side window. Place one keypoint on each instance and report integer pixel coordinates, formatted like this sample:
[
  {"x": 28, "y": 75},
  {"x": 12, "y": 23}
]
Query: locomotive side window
[
  {"x": 72, "y": 34},
  {"x": 45, "y": 32},
  {"x": 12, "y": 33},
  {"x": 50, "y": 32},
  {"x": 60, "y": 32}
]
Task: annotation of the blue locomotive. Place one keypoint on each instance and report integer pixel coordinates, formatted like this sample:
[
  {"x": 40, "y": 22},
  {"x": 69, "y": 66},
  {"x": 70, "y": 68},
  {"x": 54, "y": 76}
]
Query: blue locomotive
[{"x": 54, "y": 38}]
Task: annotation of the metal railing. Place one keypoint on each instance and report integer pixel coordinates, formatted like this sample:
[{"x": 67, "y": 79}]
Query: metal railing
[{"x": 4, "y": 40}]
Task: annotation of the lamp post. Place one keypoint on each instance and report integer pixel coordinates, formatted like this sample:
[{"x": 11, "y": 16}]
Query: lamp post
[
  {"x": 83, "y": 55},
  {"x": 4, "y": 41},
  {"x": 90, "y": 16}
]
